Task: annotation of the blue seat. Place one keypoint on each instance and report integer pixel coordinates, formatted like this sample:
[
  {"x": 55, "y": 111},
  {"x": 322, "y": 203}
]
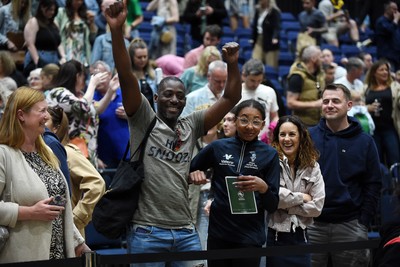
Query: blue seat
[
  {"x": 243, "y": 33},
  {"x": 283, "y": 72},
  {"x": 226, "y": 39},
  {"x": 278, "y": 87},
  {"x": 145, "y": 26},
  {"x": 245, "y": 44},
  {"x": 143, "y": 4},
  {"x": 148, "y": 15},
  {"x": 290, "y": 26},
  {"x": 371, "y": 50},
  {"x": 227, "y": 32},
  {"x": 245, "y": 56},
  {"x": 283, "y": 46},
  {"x": 286, "y": 58},
  {"x": 334, "y": 49},
  {"x": 146, "y": 36},
  {"x": 292, "y": 39},
  {"x": 271, "y": 73},
  {"x": 350, "y": 50},
  {"x": 287, "y": 16}
]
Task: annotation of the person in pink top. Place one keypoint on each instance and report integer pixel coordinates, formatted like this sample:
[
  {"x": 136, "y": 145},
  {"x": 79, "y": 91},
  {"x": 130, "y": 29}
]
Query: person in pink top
[{"x": 212, "y": 36}]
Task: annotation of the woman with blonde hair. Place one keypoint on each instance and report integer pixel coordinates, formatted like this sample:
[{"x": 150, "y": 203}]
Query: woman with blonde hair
[
  {"x": 13, "y": 18},
  {"x": 266, "y": 29},
  {"x": 382, "y": 98},
  {"x": 142, "y": 69},
  {"x": 36, "y": 207},
  {"x": 9, "y": 69},
  {"x": 47, "y": 74},
  {"x": 196, "y": 77}
]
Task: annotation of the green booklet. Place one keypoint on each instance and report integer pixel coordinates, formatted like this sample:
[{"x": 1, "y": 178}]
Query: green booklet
[{"x": 239, "y": 201}]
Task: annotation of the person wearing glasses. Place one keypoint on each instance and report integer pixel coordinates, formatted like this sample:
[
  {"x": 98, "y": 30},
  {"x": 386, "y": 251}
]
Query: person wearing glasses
[
  {"x": 252, "y": 88},
  {"x": 256, "y": 168}
]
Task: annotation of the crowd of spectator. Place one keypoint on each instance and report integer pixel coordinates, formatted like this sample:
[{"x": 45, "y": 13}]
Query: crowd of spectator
[{"x": 66, "y": 49}]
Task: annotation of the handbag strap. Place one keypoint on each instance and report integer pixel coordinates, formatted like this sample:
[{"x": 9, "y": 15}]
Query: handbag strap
[{"x": 143, "y": 143}]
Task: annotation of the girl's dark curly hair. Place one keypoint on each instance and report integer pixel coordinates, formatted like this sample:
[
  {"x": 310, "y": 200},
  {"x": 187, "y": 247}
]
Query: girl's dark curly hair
[{"x": 307, "y": 154}]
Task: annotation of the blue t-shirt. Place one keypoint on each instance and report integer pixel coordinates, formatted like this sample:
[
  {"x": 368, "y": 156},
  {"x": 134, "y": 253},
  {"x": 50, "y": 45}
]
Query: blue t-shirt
[{"x": 113, "y": 134}]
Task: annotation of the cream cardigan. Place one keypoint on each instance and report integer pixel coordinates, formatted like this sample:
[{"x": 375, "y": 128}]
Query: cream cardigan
[{"x": 29, "y": 240}]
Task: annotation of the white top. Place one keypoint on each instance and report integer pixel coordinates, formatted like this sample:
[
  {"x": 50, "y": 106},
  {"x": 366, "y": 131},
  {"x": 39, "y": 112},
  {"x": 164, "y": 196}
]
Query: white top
[{"x": 357, "y": 85}]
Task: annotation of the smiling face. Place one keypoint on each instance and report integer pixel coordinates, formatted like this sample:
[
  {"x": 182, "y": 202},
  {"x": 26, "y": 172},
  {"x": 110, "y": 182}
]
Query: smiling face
[
  {"x": 382, "y": 73},
  {"x": 35, "y": 81},
  {"x": 249, "y": 123},
  {"x": 335, "y": 105},
  {"x": 170, "y": 100},
  {"x": 34, "y": 121},
  {"x": 289, "y": 140},
  {"x": 229, "y": 125}
]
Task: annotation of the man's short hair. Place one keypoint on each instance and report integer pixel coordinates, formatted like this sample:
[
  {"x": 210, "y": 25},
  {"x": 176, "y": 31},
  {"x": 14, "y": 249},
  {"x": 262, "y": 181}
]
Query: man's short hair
[
  {"x": 354, "y": 63},
  {"x": 309, "y": 52},
  {"x": 214, "y": 30},
  {"x": 102, "y": 63},
  {"x": 327, "y": 67},
  {"x": 336, "y": 86},
  {"x": 217, "y": 64},
  {"x": 253, "y": 67}
]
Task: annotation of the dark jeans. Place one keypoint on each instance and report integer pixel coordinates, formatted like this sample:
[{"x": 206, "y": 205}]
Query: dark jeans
[
  {"x": 387, "y": 143},
  {"x": 298, "y": 237},
  {"x": 215, "y": 243}
]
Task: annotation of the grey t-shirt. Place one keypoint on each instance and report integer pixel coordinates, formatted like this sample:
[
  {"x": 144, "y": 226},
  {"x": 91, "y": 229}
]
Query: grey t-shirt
[{"x": 164, "y": 199}]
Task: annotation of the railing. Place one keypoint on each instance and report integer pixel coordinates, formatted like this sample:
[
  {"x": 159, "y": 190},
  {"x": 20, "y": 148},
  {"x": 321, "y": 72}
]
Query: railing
[{"x": 92, "y": 259}]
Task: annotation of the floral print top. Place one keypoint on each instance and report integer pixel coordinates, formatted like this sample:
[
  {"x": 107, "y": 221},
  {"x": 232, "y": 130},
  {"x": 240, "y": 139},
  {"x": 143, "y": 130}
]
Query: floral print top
[
  {"x": 82, "y": 116},
  {"x": 55, "y": 186},
  {"x": 75, "y": 36}
]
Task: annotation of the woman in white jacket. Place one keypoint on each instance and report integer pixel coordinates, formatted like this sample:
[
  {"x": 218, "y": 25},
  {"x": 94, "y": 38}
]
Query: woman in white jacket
[
  {"x": 30, "y": 179},
  {"x": 301, "y": 191}
]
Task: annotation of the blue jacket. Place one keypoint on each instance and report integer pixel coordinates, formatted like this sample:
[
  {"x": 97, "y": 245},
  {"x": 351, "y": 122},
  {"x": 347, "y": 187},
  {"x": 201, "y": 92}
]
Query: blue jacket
[
  {"x": 387, "y": 38},
  {"x": 231, "y": 157},
  {"x": 58, "y": 149},
  {"x": 349, "y": 163}
]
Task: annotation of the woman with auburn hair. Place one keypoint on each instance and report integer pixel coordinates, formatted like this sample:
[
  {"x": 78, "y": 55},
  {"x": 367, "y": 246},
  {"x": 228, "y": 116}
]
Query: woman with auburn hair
[
  {"x": 301, "y": 191},
  {"x": 382, "y": 98},
  {"x": 196, "y": 77},
  {"x": 36, "y": 207}
]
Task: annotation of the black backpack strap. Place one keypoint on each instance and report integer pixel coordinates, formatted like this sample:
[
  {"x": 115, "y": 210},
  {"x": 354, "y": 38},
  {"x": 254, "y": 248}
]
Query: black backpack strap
[{"x": 143, "y": 143}]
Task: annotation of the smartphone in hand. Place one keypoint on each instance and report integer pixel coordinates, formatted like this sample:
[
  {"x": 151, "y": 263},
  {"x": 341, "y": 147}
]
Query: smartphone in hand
[{"x": 58, "y": 201}]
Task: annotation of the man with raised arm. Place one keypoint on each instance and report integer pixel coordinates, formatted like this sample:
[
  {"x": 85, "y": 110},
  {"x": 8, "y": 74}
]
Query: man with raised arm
[{"x": 163, "y": 220}]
